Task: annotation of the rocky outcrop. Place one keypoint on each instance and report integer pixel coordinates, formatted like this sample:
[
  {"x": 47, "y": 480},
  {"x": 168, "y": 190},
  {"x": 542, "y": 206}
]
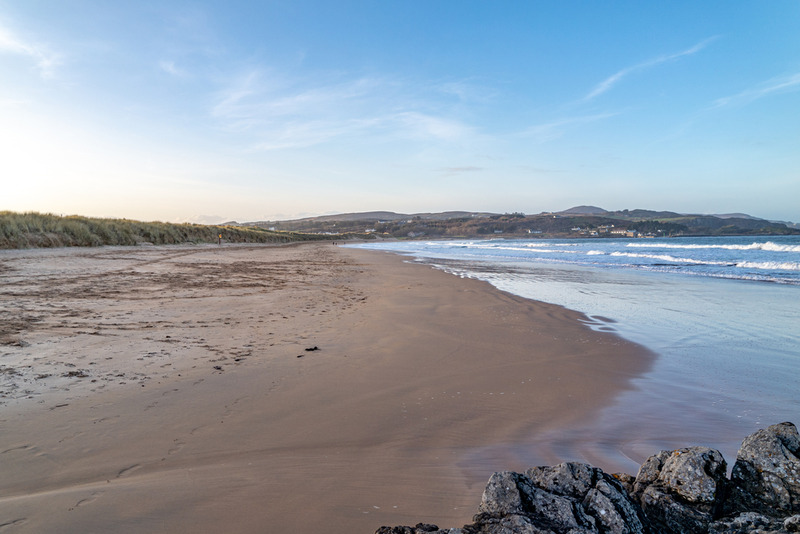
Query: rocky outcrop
[
  {"x": 685, "y": 491},
  {"x": 766, "y": 475},
  {"x": 682, "y": 490},
  {"x": 569, "y": 497}
]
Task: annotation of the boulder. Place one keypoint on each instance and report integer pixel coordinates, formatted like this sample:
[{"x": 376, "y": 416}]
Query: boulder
[
  {"x": 601, "y": 497},
  {"x": 682, "y": 491},
  {"x": 766, "y": 475},
  {"x": 571, "y": 497}
]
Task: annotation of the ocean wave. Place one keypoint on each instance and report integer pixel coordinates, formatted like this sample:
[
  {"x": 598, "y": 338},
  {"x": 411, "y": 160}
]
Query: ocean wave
[
  {"x": 528, "y": 250},
  {"x": 537, "y": 245},
  {"x": 770, "y": 265},
  {"x": 749, "y": 276},
  {"x": 501, "y": 245},
  {"x": 768, "y": 246},
  {"x": 667, "y": 257}
]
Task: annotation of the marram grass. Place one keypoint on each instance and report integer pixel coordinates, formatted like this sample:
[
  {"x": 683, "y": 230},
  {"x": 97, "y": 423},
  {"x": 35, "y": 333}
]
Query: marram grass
[{"x": 38, "y": 230}]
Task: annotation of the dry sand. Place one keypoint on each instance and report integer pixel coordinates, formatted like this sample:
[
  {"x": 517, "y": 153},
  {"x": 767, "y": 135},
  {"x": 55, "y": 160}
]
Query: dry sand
[{"x": 169, "y": 389}]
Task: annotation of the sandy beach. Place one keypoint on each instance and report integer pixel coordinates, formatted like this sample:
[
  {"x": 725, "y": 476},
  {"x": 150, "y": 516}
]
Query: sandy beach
[{"x": 247, "y": 389}]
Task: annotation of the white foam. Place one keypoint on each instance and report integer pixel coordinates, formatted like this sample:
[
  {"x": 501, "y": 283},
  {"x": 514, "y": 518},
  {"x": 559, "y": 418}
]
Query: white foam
[
  {"x": 771, "y": 265},
  {"x": 768, "y": 246},
  {"x": 667, "y": 257}
]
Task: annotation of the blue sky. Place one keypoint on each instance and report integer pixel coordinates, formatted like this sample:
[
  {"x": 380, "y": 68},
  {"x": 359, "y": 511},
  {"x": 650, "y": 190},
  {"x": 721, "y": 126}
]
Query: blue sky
[{"x": 216, "y": 111}]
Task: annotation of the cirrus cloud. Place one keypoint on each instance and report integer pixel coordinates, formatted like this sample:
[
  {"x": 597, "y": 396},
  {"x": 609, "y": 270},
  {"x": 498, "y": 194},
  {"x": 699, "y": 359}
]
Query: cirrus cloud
[
  {"x": 772, "y": 86},
  {"x": 45, "y": 60},
  {"x": 615, "y": 78},
  {"x": 280, "y": 114}
]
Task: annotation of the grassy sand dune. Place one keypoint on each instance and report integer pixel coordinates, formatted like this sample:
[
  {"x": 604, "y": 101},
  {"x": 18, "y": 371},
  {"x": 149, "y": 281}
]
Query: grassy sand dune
[{"x": 38, "y": 230}]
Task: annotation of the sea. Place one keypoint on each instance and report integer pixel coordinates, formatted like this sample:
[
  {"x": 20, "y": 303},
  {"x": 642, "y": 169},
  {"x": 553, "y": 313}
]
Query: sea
[{"x": 722, "y": 314}]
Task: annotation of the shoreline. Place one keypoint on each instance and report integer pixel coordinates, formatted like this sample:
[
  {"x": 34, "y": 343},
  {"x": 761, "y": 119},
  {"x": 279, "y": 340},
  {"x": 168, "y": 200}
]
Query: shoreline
[{"x": 415, "y": 370}]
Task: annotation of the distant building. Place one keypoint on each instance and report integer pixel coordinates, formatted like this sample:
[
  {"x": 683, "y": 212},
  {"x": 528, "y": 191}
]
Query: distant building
[{"x": 624, "y": 232}]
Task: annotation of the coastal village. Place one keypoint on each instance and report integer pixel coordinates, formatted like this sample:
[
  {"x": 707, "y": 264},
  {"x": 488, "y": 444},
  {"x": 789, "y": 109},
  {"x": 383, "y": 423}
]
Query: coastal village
[{"x": 609, "y": 230}]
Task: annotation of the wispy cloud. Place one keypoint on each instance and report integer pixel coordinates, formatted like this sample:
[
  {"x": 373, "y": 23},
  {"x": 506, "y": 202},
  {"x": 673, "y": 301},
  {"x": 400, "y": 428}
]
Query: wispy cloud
[
  {"x": 281, "y": 114},
  {"x": 257, "y": 96},
  {"x": 553, "y": 130},
  {"x": 466, "y": 91},
  {"x": 46, "y": 61},
  {"x": 772, "y": 86},
  {"x": 615, "y": 78},
  {"x": 170, "y": 68},
  {"x": 305, "y": 133},
  {"x": 423, "y": 125}
]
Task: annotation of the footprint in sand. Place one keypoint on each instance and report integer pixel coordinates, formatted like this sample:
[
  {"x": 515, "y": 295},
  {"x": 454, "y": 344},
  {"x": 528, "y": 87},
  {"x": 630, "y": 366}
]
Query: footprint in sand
[
  {"x": 14, "y": 523},
  {"x": 128, "y": 470},
  {"x": 178, "y": 445},
  {"x": 104, "y": 419},
  {"x": 90, "y": 499},
  {"x": 24, "y": 447}
]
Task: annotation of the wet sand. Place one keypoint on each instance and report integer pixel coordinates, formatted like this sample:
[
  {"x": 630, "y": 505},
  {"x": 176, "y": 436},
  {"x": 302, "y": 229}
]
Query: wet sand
[{"x": 170, "y": 389}]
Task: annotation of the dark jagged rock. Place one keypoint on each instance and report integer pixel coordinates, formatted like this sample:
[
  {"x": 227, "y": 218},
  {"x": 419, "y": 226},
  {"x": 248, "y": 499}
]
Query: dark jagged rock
[
  {"x": 626, "y": 481},
  {"x": 598, "y": 495},
  {"x": 792, "y": 524},
  {"x": 684, "y": 491},
  {"x": 766, "y": 475},
  {"x": 746, "y": 523},
  {"x": 572, "y": 498},
  {"x": 421, "y": 528}
]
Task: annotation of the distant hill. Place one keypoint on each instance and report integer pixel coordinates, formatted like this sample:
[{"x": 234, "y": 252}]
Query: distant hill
[
  {"x": 579, "y": 221},
  {"x": 368, "y": 217},
  {"x": 583, "y": 210},
  {"x": 639, "y": 214},
  {"x": 734, "y": 216},
  {"x": 392, "y": 216}
]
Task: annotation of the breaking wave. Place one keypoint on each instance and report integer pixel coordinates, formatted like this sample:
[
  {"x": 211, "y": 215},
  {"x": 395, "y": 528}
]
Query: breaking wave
[
  {"x": 769, "y": 246},
  {"x": 666, "y": 257},
  {"x": 773, "y": 259},
  {"x": 770, "y": 265}
]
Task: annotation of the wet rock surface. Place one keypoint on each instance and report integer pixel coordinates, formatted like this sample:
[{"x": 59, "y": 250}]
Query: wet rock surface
[{"x": 685, "y": 491}]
